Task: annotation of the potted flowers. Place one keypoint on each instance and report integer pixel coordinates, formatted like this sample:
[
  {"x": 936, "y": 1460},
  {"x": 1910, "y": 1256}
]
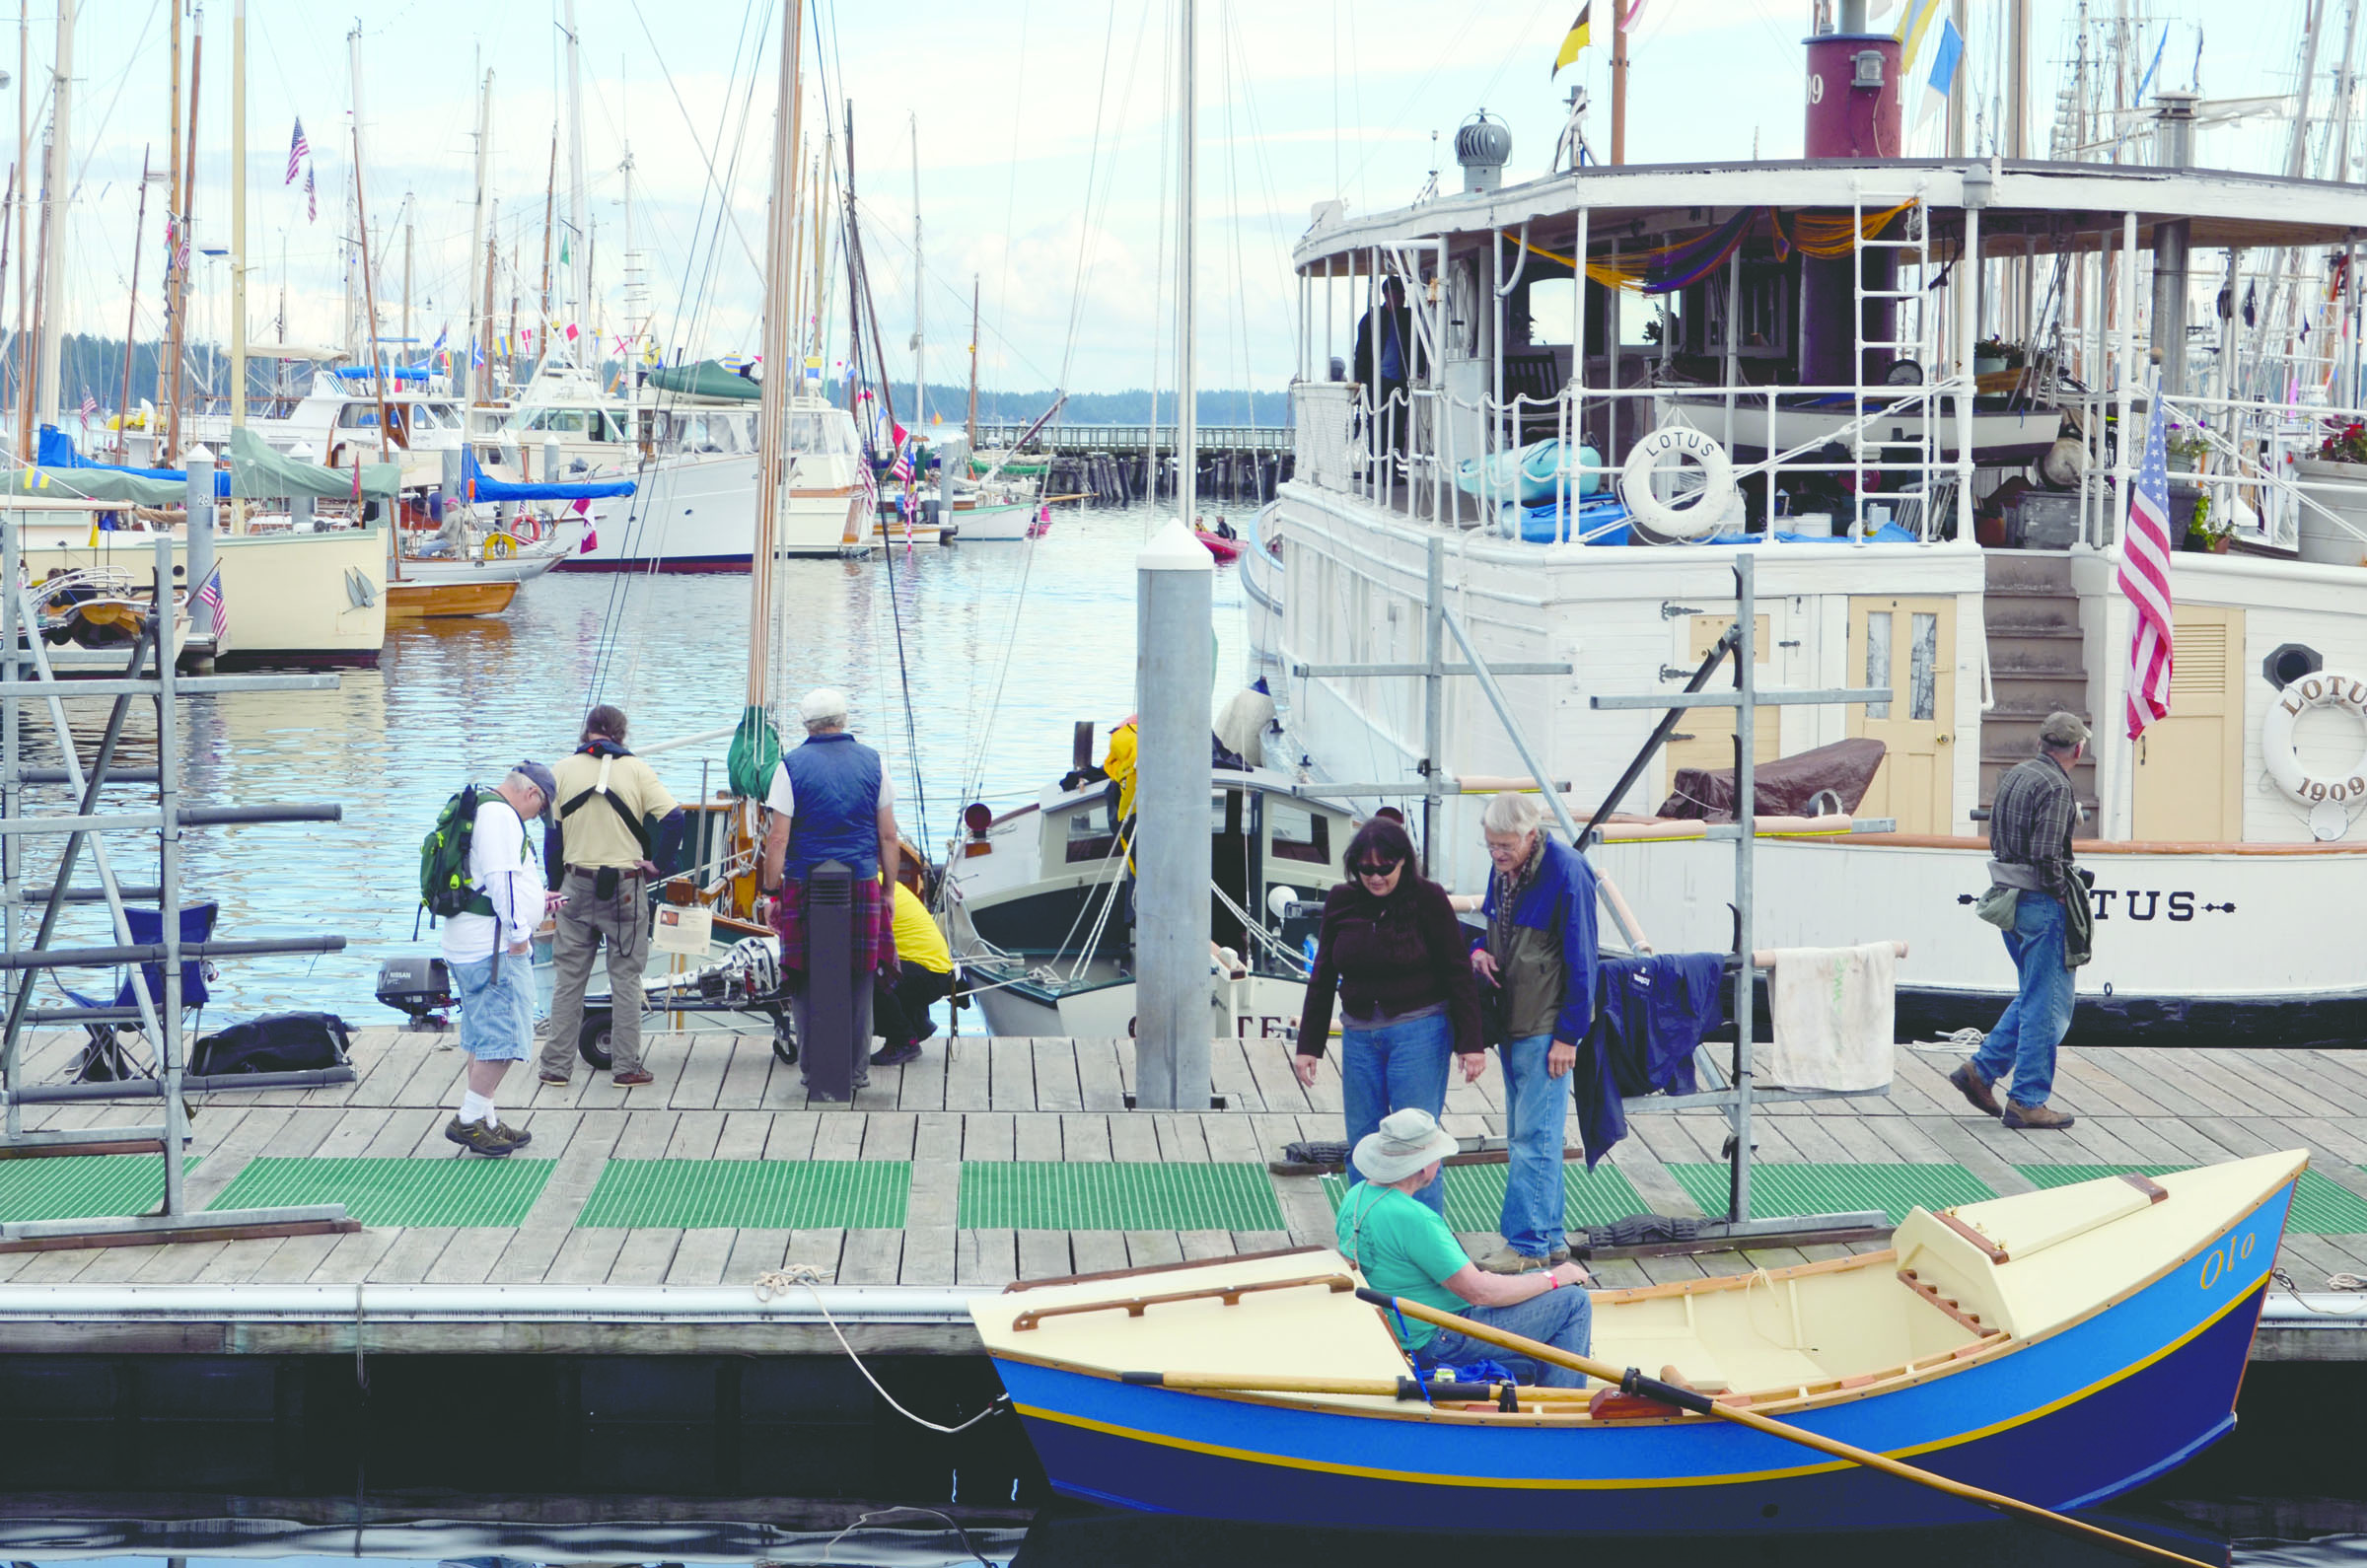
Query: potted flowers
[
  {"x": 2334, "y": 481},
  {"x": 2187, "y": 450},
  {"x": 2207, "y": 534},
  {"x": 1993, "y": 354}
]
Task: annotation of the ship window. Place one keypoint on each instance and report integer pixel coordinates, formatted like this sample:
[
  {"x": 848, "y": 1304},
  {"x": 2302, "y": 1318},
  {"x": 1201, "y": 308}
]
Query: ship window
[
  {"x": 1923, "y": 670},
  {"x": 1298, "y": 832},
  {"x": 1092, "y": 832},
  {"x": 1878, "y": 658}
]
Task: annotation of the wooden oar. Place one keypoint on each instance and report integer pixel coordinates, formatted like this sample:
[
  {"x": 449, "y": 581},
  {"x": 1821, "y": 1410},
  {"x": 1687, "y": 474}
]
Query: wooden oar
[
  {"x": 1632, "y": 1381},
  {"x": 1407, "y": 1388}
]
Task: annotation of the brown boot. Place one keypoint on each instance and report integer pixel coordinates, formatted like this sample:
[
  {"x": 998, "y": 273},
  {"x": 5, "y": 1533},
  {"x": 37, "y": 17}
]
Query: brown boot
[
  {"x": 1975, "y": 1089},
  {"x": 2036, "y": 1118}
]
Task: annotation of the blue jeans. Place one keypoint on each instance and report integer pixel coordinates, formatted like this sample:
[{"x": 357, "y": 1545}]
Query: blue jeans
[
  {"x": 1537, "y": 1113},
  {"x": 2037, "y": 1019},
  {"x": 1396, "y": 1067},
  {"x": 1564, "y": 1319},
  {"x": 497, "y": 1009}
]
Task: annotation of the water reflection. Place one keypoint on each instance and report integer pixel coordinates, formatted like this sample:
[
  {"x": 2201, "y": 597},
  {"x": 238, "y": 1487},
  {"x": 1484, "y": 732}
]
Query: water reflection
[{"x": 965, "y": 666}]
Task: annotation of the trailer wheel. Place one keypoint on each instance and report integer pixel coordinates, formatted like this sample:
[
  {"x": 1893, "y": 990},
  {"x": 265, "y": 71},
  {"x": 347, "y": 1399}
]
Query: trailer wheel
[{"x": 592, "y": 1040}]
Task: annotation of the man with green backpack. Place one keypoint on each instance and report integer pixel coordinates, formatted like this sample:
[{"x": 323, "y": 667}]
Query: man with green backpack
[{"x": 475, "y": 873}]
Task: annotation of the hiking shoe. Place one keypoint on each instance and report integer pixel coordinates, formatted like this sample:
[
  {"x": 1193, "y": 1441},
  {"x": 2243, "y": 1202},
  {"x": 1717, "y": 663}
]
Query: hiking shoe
[
  {"x": 556, "y": 1080},
  {"x": 1975, "y": 1089},
  {"x": 479, "y": 1137},
  {"x": 895, "y": 1055},
  {"x": 2036, "y": 1118},
  {"x": 633, "y": 1079},
  {"x": 1504, "y": 1261},
  {"x": 515, "y": 1137}
]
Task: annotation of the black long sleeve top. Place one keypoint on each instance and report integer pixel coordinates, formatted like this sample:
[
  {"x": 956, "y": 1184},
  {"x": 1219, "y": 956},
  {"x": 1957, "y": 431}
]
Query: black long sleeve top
[{"x": 1390, "y": 956}]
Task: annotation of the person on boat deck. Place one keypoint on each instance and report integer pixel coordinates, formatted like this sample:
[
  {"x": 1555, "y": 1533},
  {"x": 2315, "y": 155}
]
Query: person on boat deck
[
  {"x": 831, "y": 800},
  {"x": 1403, "y": 1248},
  {"x": 615, "y": 823},
  {"x": 901, "y": 1002},
  {"x": 1391, "y": 948},
  {"x": 1539, "y": 951},
  {"x": 1384, "y": 359},
  {"x": 2047, "y": 934}
]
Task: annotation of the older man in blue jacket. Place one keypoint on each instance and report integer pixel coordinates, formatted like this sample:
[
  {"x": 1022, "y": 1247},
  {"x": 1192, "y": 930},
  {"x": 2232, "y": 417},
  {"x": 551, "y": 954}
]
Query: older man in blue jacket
[{"x": 1539, "y": 951}]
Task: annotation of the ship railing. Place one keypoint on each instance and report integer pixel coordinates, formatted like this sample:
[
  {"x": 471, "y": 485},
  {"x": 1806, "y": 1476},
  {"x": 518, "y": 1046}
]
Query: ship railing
[
  {"x": 2255, "y": 454},
  {"x": 1919, "y": 487}
]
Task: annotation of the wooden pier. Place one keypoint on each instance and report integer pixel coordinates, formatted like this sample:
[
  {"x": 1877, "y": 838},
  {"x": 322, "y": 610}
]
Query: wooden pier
[{"x": 971, "y": 1115}]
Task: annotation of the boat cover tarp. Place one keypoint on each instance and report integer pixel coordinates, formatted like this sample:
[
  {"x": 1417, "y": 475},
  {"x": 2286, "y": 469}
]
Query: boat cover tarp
[
  {"x": 1784, "y": 787},
  {"x": 394, "y": 372},
  {"x": 485, "y": 487},
  {"x": 705, "y": 379},
  {"x": 55, "y": 451},
  {"x": 255, "y": 469}
]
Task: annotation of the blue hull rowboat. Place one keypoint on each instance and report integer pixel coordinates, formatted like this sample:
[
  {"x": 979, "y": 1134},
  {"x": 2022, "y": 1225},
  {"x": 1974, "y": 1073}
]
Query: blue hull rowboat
[{"x": 2060, "y": 1347}]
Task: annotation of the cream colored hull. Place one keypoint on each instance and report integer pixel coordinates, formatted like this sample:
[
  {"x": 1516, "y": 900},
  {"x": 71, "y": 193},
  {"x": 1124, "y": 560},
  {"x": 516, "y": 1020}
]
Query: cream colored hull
[{"x": 291, "y": 597}]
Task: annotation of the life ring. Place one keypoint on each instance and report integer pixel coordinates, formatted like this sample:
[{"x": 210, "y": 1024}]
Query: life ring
[
  {"x": 500, "y": 545},
  {"x": 526, "y": 527},
  {"x": 1653, "y": 516},
  {"x": 2324, "y": 690}
]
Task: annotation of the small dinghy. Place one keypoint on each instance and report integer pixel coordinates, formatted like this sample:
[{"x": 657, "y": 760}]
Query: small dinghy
[
  {"x": 2058, "y": 1347},
  {"x": 1224, "y": 550}
]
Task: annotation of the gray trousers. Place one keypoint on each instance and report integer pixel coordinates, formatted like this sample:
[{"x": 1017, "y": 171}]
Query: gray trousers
[{"x": 585, "y": 923}]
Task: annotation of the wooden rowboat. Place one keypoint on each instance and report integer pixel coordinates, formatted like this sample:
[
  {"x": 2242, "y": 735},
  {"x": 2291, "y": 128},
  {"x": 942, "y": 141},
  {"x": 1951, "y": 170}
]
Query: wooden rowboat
[{"x": 2060, "y": 1346}]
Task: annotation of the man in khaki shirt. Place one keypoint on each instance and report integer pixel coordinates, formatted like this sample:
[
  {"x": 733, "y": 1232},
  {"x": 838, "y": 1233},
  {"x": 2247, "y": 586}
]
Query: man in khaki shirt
[{"x": 615, "y": 823}]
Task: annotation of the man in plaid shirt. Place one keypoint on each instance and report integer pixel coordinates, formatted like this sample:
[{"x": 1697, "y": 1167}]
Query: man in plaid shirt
[{"x": 2050, "y": 934}]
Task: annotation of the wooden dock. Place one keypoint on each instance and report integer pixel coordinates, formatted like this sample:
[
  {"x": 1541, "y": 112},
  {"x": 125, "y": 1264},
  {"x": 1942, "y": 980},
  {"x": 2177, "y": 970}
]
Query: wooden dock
[{"x": 721, "y": 1097}]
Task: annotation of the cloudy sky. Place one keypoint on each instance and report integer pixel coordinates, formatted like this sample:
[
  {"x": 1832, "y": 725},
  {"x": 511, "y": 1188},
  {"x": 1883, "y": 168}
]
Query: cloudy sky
[{"x": 1043, "y": 132}]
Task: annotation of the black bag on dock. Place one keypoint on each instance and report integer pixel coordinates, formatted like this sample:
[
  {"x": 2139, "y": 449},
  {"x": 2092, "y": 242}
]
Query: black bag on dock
[{"x": 284, "y": 1043}]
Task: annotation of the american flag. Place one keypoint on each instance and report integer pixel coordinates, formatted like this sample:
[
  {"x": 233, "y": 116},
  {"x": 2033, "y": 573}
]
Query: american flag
[
  {"x": 90, "y": 406},
  {"x": 298, "y": 150},
  {"x": 210, "y": 596},
  {"x": 311, "y": 198},
  {"x": 901, "y": 470},
  {"x": 2145, "y": 577}
]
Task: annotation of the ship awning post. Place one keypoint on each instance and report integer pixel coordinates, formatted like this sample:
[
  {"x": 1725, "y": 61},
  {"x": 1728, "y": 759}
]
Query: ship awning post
[
  {"x": 1174, "y": 673},
  {"x": 198, "y": 556}
]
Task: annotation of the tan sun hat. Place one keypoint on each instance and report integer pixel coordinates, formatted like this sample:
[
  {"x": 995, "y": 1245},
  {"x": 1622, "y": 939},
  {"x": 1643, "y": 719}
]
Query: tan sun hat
[{"x": 1406, "y": 1141}]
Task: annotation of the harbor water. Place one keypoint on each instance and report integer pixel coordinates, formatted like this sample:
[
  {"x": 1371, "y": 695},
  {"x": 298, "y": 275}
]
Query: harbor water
[{"x": 966, "y": 666}]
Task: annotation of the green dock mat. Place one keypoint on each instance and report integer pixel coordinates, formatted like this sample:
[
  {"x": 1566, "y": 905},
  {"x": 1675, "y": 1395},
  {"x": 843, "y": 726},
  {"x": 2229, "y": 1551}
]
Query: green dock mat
[
  {"x": 2320, "y": 1207},
  {"x": 762, "y": 1194},
  {"x": 1476, "y": 1195},
  {"x": 77, "y": 1186},
  {"x": 1778, "y": 1190},
  {"x": 395, "y": 1191},
  {"x": 1044, "y": 1195}
]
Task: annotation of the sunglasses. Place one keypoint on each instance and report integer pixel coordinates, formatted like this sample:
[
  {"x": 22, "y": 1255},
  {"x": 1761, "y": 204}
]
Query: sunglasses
[{"x": 1376, "y": 868}]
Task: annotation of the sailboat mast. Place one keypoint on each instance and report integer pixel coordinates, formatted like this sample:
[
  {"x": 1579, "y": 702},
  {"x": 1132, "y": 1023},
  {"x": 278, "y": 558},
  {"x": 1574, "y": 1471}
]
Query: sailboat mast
[
  {"x": 182, "y": 251},
  {"x": 407, "y": 226},
  {"x": 237, "y": 222},
  {"x": 973, "y": 362},
  {"x": 771, "y": 446},
  {"x": 361, "y": 215},
  {"x": 551, "y": 191},
  {"x": 131, "y": 324},
  {"x": 53, "y": 259},
  {"x": 477, "y": 326},
  {"x": 579, "y": 253},
  {"x": 920, "y": 334},
  {"x": 1187, "y": 403}
]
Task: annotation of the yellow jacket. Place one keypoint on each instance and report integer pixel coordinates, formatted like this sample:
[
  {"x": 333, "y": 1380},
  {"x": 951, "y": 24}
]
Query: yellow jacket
[
  {"x": 1119, "y": 765},
  {"x": 917, "y": 939}
]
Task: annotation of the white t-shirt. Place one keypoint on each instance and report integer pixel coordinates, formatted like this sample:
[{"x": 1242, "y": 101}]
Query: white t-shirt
[
  {"x": 497, "y": 866},
  {"x": 782, "y": 799}
]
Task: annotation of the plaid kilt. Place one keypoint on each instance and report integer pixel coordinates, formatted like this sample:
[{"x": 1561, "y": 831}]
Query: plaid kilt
[{"x": 874, "y": 935}]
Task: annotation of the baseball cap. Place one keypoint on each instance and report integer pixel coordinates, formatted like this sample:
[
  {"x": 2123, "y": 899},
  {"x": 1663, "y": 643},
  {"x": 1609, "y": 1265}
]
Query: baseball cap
[{"x": 550, "y": 786}]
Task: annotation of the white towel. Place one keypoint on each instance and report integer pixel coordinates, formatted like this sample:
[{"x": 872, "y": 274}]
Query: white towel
[{"x": 1834, "y": 1021}]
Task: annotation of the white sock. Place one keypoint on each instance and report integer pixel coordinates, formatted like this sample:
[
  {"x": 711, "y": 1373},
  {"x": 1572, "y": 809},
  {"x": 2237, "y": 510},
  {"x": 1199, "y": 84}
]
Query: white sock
[{"x": 475, "y": 1106}]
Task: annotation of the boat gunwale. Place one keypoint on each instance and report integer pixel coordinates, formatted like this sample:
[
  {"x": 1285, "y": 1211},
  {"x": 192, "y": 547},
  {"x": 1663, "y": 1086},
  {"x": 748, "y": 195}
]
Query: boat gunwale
[{"x": 1988, "y": 1352}]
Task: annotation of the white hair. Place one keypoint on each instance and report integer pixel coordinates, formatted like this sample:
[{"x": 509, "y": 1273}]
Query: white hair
[{"x": 1510, "y": 812}]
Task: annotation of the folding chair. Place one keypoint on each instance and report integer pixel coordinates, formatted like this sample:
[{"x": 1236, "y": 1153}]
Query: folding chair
[{"x": 105, "y": 1059}]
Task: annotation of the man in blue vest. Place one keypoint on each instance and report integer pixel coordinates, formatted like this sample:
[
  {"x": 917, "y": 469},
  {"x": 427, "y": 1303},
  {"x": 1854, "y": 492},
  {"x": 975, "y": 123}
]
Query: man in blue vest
[{"x": 831, "y": 800}]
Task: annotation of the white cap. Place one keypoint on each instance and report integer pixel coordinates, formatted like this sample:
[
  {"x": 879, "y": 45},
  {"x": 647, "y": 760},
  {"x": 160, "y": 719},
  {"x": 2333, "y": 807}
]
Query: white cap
[{"x": 820, "y": 705}]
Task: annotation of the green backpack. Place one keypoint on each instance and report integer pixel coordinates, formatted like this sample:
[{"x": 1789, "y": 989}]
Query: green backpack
[{"x": 444, "y": 889}]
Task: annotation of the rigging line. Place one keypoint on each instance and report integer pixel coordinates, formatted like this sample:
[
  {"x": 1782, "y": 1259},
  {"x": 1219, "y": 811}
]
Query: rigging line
[
  {"x": 1088, "y": 256},
  {"x": 1413, "y": 99},
  {"x": 1002, "y": 294},
  {"x": 884, "y": 219},
  {"x": 1076, "y": 288},
  {"x": 706, "y": 157}
]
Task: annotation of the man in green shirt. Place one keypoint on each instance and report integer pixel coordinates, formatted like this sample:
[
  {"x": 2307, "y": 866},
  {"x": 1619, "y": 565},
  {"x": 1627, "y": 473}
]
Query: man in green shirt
[{"x": 1403, "y": 1248}]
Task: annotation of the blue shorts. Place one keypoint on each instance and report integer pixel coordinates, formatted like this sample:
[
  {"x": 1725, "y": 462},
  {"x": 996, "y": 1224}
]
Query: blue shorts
[{"x": 497, "y": 1011}]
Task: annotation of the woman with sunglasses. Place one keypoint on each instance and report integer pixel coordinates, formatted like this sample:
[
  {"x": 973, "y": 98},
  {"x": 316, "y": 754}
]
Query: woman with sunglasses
[{"x": 1389, "y": 946}]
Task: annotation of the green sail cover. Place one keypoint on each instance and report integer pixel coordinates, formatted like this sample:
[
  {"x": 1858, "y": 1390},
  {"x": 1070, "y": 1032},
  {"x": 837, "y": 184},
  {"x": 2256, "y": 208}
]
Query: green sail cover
[
  {"x": 755, "y": 752},
  {"x": 705, "y": 379},
  {"x": 99, "y": 484},
  {"x": 257, "y": 470}
]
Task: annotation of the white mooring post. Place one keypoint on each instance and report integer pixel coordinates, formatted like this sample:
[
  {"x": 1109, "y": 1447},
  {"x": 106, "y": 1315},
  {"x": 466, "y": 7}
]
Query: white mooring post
[{"x": 1174, "y": 673}]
